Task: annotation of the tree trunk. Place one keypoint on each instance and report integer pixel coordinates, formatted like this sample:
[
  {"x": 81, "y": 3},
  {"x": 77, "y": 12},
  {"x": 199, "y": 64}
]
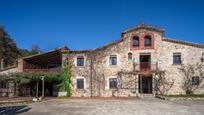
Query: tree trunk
[{"x": 37, "y": 89}]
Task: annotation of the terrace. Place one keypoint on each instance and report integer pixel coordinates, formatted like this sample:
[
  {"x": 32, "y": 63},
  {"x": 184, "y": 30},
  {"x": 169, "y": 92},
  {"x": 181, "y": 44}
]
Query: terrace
[{"x": 49, "y": 61}]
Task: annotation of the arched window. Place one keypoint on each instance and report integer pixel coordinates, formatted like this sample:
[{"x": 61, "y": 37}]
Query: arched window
[
  {"x": 129, "y": 56},
  {"x": 135, "y": 41},
  {"x": 147, "y": 40}
]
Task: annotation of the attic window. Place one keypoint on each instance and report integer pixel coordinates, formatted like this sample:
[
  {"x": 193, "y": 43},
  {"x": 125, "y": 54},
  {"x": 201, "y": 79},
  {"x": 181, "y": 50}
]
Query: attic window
[{"x": 135, "y": 41}]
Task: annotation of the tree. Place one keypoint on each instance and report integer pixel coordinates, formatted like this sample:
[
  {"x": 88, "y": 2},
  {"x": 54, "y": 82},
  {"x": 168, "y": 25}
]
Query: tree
[
  {"x": 161, "y": 84},
  {"x": 24, "y": 52},
  {"x": 35, "y": 49},
  {"x": 8, "y": 48},
  {"x": 190, "y": 70}
]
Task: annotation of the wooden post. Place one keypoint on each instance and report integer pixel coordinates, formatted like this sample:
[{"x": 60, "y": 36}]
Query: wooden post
[
  {"x": 43, "y": 86},
  {"x": 37, "y": 88}
]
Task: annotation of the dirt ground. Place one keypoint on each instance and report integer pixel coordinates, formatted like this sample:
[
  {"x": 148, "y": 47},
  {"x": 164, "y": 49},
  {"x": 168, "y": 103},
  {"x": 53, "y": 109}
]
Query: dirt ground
[{"x": 107, "y": 107}]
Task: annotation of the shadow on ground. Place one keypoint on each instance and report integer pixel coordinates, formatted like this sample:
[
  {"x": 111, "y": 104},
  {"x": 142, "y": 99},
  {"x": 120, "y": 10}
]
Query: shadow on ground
[{"x": 12, "y": 110}]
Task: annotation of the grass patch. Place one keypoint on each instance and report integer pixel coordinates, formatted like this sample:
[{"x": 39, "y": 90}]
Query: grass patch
[{"x": 192, "y": 95}]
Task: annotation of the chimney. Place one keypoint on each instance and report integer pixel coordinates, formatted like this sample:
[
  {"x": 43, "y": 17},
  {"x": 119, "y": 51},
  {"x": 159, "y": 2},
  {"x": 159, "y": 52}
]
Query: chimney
[{"x": 2, "y": 63}]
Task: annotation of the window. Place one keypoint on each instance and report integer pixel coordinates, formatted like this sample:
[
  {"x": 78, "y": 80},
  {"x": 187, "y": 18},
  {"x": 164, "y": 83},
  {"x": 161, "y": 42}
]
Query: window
[
  {"x": 2, "y": 84},
  {"x": 80, "y": 61},
  {"x": 195, "y": 80},
  {"x": 147, "y": 40},
  {"x": 129, "y": 56},
  {"x": 177, "y": 58},
  {"x": 135, "y": 41},
  {"x": 112, "y": 83},
  {"x": 113, "y": 60},
  {"x": 202, "y": 58},
  {"x": 80, "y": 83}
]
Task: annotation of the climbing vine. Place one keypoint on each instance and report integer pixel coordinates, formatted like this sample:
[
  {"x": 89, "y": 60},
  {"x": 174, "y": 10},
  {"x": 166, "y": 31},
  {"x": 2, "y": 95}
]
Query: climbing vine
[{"x": 65, "y": 82}]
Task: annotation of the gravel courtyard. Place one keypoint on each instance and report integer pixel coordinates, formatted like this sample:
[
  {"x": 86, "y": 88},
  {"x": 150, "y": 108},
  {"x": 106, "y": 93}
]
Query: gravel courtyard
[{"x": 112, "y": 107}]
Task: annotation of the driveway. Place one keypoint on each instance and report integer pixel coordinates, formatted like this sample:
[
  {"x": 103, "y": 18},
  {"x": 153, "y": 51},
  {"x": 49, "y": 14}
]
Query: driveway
[{"x": 111, "y": 107}]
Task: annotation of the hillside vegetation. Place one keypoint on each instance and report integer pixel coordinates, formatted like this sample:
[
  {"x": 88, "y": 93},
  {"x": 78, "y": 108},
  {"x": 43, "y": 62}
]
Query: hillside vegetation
[{"x": 9, "y": 51}]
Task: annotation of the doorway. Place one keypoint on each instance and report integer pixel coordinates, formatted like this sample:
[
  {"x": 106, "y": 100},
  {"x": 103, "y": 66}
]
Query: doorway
[
  {"x": 145, "y": 62},
  {"x": 145, "y": 84}
]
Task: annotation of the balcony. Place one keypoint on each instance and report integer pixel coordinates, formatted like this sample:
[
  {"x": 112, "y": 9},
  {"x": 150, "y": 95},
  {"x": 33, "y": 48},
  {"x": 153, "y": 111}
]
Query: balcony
[
  {"x": 57, "y": 69},
  {"x": 146, "y": 66}
]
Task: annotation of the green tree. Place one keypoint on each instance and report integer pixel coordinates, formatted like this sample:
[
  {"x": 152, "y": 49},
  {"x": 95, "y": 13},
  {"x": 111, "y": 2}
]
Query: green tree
[
  {"x": 8, "y": 48},
  {"x": 24, "y": 52}
]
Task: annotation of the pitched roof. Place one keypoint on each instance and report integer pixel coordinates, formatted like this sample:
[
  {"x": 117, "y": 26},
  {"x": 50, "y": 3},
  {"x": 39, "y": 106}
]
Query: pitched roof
[
  {"x": 183, "y": 42},
  {"x": 58, "y": 49},
  {"x": 144, "y": 26},
  {"x": 109, "y": 44},
  {"x": 98, "y": 48}
]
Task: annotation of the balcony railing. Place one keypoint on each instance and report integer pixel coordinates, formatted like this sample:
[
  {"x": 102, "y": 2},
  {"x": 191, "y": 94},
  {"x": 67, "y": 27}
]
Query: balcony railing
[
  {"x": 43, "y": 70},
  {"x": 146, "y": 66}
]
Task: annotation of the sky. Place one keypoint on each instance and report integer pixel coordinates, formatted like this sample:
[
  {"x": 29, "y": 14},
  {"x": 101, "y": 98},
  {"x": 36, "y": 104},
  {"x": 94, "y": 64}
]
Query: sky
[{"x": 86, "y": 24}]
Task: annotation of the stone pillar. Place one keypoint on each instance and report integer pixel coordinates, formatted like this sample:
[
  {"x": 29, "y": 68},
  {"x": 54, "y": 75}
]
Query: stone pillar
[
  {"x": 136, "y": 84},
  {"x": 153, "y": 83},
  {"x": 20, "y": 65}
]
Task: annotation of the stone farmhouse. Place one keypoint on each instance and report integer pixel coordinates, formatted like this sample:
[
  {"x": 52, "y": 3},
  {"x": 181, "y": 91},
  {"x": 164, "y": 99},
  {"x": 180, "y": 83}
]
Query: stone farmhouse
[{"x": 128, "y": 66}]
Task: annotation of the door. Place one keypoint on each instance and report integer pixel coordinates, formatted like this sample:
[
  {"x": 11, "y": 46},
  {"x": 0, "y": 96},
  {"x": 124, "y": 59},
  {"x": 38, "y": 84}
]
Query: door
[{"x": 145, "y": 84}]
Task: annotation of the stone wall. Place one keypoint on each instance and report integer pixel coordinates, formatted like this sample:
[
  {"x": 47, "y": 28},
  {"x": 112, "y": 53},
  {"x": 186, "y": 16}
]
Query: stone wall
[{"x": 161, "y": 53}]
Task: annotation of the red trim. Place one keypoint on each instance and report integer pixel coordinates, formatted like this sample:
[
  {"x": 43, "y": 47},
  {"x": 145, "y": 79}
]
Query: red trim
[{"x": 141, "y": 41}]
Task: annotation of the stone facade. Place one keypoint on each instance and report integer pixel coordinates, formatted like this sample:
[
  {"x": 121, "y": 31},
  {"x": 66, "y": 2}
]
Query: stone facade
[
  {"x": 161, "y": 53},
  {"x": 96, "y": 71}
]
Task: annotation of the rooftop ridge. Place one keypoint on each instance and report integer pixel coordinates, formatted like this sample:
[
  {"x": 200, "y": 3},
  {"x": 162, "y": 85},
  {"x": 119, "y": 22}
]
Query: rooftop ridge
[
  {"x": 144, "y": 26},
  {"x": 183, "y": 42}
]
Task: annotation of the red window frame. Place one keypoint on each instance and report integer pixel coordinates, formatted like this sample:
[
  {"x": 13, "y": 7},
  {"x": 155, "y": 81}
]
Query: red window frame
[{"x": 141, "y": 41}]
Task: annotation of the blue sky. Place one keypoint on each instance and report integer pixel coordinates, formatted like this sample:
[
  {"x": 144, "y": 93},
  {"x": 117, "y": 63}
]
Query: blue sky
[{"x": 85, "y": 24}]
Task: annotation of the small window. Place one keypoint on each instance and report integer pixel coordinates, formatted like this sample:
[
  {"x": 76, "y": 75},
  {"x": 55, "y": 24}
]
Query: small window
[
  {"x": 135, "y": 41},
  {"x": 129, "y": 56},
  {"x": 2, "y": 84},
  {"x": 195, "y": 80},
  {"x": 113, "y": 83},
  {"x": 80, "y": 83},
  {"x": 113, "y": 60},
  {"x": 147, "y": 41},
  {"x": 80, "y": 61},
  {"x": 177, "y": 58},
  {"x": 202, "y": 58}
]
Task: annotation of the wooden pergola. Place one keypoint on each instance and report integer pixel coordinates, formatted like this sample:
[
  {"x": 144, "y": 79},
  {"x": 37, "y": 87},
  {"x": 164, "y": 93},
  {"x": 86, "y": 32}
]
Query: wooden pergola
[{"x": 51, "y": 60}]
